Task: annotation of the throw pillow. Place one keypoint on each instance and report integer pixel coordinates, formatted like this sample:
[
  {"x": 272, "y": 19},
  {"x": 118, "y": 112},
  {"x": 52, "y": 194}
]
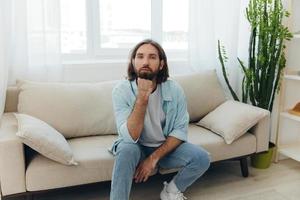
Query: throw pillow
[
  {"x": 232, "y": 119},
  {"x": 44, "y": 139}
]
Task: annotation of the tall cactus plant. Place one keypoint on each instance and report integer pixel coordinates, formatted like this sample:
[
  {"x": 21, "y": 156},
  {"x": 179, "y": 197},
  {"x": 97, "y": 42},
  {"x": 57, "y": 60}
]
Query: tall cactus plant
[{"x": 266, "y": 56}]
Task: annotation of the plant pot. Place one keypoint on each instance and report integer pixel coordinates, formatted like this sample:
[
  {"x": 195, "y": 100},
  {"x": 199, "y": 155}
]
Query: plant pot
[{"x": 264, "y": 159}]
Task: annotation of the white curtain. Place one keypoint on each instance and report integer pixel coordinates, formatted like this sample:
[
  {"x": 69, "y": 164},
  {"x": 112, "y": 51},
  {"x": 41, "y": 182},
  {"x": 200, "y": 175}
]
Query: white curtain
[
  {"x": 30, "y": 42},
  {"x": 3, "y": 59},
  {"x": 35, "y": 40},
  {"x": 213, "y": 20}
]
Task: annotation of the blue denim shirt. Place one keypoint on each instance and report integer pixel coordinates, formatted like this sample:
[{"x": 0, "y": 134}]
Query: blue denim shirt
[{"x": 173, "y": 103}]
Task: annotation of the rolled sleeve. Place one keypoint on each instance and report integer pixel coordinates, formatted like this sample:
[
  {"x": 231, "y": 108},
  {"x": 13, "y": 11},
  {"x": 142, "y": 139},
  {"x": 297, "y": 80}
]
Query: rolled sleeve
[
  {"x": 123, "y": 131},
  {"x": 122, "y": 111},
  {"x": 179, "y": 135},
  {"x": 180, "y": 129}
]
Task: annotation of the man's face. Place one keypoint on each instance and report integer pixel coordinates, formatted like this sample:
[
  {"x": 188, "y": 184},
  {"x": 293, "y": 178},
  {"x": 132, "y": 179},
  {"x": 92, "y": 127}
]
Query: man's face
[{"x": 146, "y": 62}]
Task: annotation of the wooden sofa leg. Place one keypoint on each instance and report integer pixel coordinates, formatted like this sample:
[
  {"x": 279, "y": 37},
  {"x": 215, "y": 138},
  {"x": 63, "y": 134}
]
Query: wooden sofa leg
[{"x": 244, "y": 166}]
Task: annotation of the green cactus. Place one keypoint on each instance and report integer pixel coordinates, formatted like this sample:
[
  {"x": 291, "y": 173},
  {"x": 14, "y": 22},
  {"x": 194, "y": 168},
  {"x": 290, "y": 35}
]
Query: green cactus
[{"x": 266, "y": 53}]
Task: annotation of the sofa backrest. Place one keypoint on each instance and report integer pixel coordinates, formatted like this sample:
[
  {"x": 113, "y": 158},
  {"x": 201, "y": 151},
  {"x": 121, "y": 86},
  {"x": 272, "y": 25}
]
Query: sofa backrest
[
  {"x": 82, "y": 109},
  {"x": 203, "y": 93},
  {"x": 77, "y": 109}
]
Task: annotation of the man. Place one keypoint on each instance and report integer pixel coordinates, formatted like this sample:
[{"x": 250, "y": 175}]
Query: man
[{"x": 152, "y": 122}]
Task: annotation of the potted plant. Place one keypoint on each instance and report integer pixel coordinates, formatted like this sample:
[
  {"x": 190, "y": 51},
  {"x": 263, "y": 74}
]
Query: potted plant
[{"x": 262, "y": 74}]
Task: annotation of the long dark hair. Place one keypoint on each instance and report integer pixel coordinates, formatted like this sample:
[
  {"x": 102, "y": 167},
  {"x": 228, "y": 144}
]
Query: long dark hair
[{"x": 162, "y": 75}]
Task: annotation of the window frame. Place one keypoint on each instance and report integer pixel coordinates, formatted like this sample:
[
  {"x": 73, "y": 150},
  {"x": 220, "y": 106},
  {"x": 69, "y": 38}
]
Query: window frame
[{"x": 94, "y": 53}]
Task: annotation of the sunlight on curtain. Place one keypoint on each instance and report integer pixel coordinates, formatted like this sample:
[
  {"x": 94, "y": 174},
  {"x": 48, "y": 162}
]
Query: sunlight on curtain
[
  {"x": 4, "y": 52},
  {"x": 35, "y": 41},
  {"x": 213, "y": 20},
  {"x": 3, "y": 60},
  {"x": 29, "y": 43}
]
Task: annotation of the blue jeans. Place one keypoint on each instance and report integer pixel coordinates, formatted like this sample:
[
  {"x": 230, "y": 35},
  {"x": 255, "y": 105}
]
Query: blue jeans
[{"x": 192, "y": 160}]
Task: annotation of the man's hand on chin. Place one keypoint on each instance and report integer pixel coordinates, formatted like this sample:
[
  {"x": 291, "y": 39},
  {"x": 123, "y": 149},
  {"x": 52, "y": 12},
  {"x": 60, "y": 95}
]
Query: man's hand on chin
[{"x": 144, "y": 169}]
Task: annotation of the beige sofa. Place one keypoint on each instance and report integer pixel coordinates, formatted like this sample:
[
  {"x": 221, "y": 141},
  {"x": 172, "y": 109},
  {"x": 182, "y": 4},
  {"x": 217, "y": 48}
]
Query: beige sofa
[{"x": 84, "y": 111}]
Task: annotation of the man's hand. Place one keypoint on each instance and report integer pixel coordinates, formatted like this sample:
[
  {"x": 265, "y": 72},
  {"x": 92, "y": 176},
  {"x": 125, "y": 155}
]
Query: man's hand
[
  {"x": 145, "y": 88},
  {"x": 144, "y": 169}
]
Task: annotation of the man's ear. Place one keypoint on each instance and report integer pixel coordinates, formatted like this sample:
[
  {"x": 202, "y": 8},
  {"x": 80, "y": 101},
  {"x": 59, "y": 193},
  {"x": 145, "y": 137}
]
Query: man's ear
[{"x": 162, "y": 64}]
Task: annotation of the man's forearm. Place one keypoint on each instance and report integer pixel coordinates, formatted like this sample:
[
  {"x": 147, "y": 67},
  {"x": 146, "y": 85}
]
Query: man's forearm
[
  {"x": 169, "y": 145},
  {"x": 135, "y": 122}
]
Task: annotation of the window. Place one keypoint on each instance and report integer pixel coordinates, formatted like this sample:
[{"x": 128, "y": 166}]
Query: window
[
  {"x": 108, "y": 29},
  {"x": 175, "y": 24},
  {"x": 123, "y": 23},
  {"x": 73, "y": 27}
]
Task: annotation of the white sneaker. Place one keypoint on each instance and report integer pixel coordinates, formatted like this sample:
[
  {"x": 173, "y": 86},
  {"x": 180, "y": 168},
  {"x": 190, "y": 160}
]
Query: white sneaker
[{"x": 165, "y": 195}]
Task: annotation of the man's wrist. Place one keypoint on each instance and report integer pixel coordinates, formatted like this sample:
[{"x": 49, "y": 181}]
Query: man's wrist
[
  {"x": 142, "y": 100},
  {"x": 154, "y": 157}
]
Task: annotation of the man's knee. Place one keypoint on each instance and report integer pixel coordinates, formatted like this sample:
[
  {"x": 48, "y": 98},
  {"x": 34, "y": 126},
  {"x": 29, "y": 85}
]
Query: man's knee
[
  {"x": 129, "y": 151},
  {"x": 201, "y": 159}
]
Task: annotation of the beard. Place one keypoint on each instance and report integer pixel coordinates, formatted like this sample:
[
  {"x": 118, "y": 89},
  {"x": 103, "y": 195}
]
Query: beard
[{"x": 147, "y": 74}]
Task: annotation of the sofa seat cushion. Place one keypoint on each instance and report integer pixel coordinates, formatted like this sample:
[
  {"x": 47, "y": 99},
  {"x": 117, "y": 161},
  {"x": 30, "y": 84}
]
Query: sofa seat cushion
[
  {"x": 216, "y": 146},
  {"x": 95, "y": 164}
]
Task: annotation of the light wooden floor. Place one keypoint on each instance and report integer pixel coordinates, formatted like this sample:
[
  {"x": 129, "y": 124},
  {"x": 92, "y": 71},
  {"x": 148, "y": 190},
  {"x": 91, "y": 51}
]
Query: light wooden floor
[{"x": 222, "y": 181}]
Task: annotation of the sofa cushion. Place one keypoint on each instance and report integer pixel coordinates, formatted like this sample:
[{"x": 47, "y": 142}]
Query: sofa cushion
[
  {"x": 44, "y": 139},
  {"x": 216, "y": 146},
  {"x": 203, "y": 92},
  {"x": 96, "y": 163},
  {"x": 80, "y": 109},
  {"x": 232, "y": 119}
]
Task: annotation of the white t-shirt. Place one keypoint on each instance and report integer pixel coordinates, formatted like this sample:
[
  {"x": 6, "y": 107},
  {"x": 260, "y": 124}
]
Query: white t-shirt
[{"x": 152, "y": 133}]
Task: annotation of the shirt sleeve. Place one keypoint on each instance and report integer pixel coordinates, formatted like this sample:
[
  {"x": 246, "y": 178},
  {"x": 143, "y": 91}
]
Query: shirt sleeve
[
  {"x": 122, "y": 111},
  {"x": 180, "y": 128}
]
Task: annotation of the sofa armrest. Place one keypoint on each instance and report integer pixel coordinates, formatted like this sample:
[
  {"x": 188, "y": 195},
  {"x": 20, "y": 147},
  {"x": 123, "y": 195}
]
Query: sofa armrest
[
  {"x": 262, "y": 132},
  {"x": 12, "y": 158}
]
